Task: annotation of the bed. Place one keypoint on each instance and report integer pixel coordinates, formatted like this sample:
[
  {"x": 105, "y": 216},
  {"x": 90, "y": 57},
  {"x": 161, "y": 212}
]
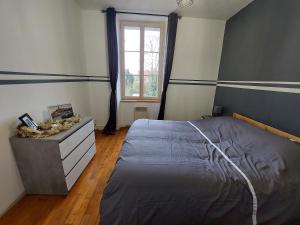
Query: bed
[{"x": 219, "y": 171}]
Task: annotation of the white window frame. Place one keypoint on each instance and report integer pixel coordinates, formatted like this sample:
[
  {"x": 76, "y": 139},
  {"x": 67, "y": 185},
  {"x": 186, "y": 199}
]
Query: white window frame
[{"x": 142, "y": 25}]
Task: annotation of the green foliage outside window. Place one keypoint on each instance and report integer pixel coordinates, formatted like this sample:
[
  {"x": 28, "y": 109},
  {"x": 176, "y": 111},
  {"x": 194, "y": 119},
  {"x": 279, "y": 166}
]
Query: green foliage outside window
[{"x": 132, "y": 85}]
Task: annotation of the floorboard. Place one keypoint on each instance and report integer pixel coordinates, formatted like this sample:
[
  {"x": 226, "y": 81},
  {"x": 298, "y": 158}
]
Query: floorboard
[{"x": 81, "y": 206}]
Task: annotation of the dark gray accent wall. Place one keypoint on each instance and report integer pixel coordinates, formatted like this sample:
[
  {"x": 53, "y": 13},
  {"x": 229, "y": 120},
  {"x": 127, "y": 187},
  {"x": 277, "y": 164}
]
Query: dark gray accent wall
[
  {"x": 280, "y": 110},
  {"x": 262, "y": 43}
]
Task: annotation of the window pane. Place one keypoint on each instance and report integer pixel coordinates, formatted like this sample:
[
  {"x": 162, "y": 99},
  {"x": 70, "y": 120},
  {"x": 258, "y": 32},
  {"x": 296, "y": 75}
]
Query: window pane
[
  {"x": 152, "y": 39},
  {"x": 132, "y": 63},
  {"x": 132, "y": 85},
  {"x": 132, "y": 38},
  {"x": 151, "y": 63},
  {"x": 151, "y": 86}
]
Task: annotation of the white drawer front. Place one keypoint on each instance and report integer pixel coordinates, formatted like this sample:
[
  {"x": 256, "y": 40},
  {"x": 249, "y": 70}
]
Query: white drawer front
[
  {"x": 77, "y": 170},
  {"x": 71, "y": 142},
  {"x": 77, "y": 153}
]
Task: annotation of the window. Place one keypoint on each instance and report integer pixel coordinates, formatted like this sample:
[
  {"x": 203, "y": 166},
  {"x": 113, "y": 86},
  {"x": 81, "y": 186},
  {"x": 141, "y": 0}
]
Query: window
[{"x": 141, "y": 60}]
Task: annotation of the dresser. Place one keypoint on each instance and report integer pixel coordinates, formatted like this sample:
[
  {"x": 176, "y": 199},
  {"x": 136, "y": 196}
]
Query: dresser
[{"x": 52, "y": 165}]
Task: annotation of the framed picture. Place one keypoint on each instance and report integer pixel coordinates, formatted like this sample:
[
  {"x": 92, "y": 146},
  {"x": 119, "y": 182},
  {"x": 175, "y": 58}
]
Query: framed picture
[
  {"x": 61, "y": 111},
  {"x": 28, "y": 121}
]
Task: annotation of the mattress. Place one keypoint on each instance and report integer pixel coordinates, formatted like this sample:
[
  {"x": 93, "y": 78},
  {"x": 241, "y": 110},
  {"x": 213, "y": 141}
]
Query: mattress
[{"x": 169, "y": 173}]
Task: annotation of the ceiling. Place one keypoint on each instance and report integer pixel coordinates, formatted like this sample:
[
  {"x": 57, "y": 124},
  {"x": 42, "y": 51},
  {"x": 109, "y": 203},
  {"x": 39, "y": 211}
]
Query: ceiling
[{"x": 213, "y": 9}]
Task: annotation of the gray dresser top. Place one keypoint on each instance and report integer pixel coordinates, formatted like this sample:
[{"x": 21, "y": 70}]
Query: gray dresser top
[{"x": 63, "y": 135}]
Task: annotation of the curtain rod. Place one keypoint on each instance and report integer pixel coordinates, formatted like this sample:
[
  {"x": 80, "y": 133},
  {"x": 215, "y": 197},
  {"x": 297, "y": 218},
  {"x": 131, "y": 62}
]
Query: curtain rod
[{"x": 143, "y": 14}]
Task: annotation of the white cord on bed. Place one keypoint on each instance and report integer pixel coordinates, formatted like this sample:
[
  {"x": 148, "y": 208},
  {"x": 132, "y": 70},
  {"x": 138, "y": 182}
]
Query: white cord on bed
[{"x": 254, "y": 218}]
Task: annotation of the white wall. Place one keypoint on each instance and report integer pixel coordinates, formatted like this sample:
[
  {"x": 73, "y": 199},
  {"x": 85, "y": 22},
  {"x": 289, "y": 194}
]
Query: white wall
[
  {"x": 43, "y": 36},
  {"x": 198, "y": 48},
  {"x": 197, "y": 56},
  {"x": 36, "y": 36},
  {"x": 94, "y": 39}
]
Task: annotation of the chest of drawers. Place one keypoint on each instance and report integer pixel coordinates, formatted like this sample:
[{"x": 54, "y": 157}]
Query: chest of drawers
[{"x": 52, "y": 165}]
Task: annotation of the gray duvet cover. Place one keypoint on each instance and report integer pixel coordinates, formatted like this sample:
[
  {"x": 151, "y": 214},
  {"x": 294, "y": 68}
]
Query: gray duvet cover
[{"x": 169, "y": 174}]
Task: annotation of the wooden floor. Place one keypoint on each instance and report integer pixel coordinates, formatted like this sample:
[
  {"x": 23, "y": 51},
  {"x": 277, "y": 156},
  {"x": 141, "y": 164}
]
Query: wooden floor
[{"x": 81, "y": 206}]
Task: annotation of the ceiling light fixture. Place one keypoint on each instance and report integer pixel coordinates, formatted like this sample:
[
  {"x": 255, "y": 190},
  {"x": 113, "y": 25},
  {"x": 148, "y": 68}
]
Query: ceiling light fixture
[{"x": 184, "y": 3}]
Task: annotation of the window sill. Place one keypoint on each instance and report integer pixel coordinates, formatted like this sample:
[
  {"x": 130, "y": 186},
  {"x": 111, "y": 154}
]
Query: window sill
[{"x": 136, "y": 101}]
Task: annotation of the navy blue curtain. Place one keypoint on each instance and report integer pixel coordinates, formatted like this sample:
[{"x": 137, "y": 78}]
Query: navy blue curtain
[
  {"x": 112, "y": 45},
  {"x": 171, "y": 39}
]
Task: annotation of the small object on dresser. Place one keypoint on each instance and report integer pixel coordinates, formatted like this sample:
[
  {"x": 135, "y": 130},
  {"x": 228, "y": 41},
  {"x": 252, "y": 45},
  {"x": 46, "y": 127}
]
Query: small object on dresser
[
  {"x": 217, "y": 111},
  {"x": 48, "y": 128},
  {"x": 61, "y": 111},
  {"x": 28, "y": 121}
]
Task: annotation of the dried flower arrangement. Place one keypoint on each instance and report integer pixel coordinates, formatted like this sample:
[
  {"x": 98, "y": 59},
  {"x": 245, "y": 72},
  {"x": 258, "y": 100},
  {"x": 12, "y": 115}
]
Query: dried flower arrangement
[{"x": 48, "y": 128}]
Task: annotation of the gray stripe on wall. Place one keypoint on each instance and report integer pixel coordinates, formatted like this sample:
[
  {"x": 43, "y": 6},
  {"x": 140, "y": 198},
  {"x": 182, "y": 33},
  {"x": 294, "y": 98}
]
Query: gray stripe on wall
[
  {"x": 180, "y": 81},
  {"x": 269, "y": 85},
  {"x": 256, "y": 85},
  {"x": 46, "y": 74},
  {"x": 40, "y": 81},
  {"x": 13, "y": 77},
  {"x": 291, "y": 85},
  {"x": 192, "y": 80},
  {"x": 187, "y": 83},
  {"x": 257, "y": 82},
  {"x": 262, "y": 88},
  {"x": 98, "y": 80}
]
